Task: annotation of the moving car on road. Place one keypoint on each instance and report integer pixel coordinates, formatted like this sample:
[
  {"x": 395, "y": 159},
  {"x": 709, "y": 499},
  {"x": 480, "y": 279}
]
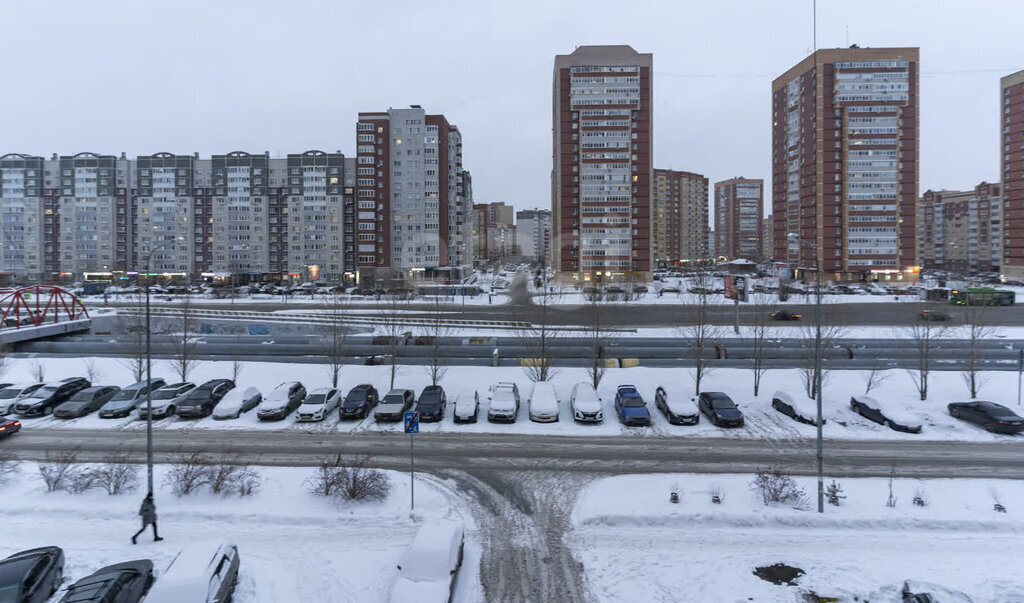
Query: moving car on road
[
  {"x": 31, "y": 576},
  {"x": 126, "y": 399},
  {"x": 503, "y": 402},
  {"x": 988, "y": 415},
  {"x": 318, "y": 403},
  {"x": 164, "y": 401},
  {"x": 720, "y": 409},
  {"x": 201, "y": 573},
  {"x": 281, "y": 401},
  {"x": 432, "y": 404},
  {"x": 679, "y": 410},
  {"x": 934, "y": 316},
  {"x": 200, "y": 401},
  {"x": 42, "y": 401},
  {"x": 784, "y": 315},
  {"x": 394, "y": 403},
  {"x": 10, "y": 395},
  {"x": 874, "y": 410},
  {"x": 429, "y": 567},
  {"x": 236, "y": 402},
  {"x": 630, "y": 406},
  {"x": 586, "y": 404},
  {"x": 359, "y": 401},
  {"x": 543, "y": 403},
  {"x": 123, "y": 582},
  {"x": 467, "y": 407},
  {"x": 85, "y": 401},
  {"x": 9, "y": 426}
]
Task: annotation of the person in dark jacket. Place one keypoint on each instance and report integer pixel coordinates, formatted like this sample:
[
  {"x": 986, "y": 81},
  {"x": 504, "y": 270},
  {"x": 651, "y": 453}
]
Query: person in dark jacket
[{"x": 148, "y": 513}]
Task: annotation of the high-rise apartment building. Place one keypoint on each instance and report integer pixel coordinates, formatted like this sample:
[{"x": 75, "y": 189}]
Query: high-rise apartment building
[
  {"x": 845, "y": 143},
  {"x": 320, "y": 192},
  {"x": 766, "y": 238},
  {"x": 739, "y": 207},
  {"x": 411, "y": 219},
  {"x": 494, "y": 232},
  {"x": 602, "y": 149},
  {"x": 680, "y": 210},
  {"x": 172, "y": 218},
  {"x": 961, "y": 231},
  {"x": 94, "y": 202},
  {"x": 533, "y": 235},
  {"x": 1011, "y": 153},
  {"x": 24, "y": 231}
]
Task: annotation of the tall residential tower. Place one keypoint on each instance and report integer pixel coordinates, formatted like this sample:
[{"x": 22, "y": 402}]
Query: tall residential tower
[
  {"x": 739, "y": 207},
  {"x": 1011, "y": 153}
]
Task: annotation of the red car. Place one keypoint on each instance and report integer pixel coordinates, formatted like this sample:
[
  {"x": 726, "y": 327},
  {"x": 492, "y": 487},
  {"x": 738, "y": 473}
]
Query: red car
[{"x": 9, "y": 426}]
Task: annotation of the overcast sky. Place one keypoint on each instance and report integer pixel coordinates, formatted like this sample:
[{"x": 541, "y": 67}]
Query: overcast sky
[{"x": 291, "y": 75}]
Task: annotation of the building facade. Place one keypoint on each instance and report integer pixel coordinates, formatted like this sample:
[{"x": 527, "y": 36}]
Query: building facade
[
  {"x": 494, "y": 232},
  {"x": 961, "y": 231},
  {"x": 533, "y": 235},
  {"x": 94, "y": 202},
  {"x": 1011, "y": 153},
  {"x": 845, "y": 143},
  {"x": 680, "y": 209},
  {"x": 766, "y": 238},
  {"x": 603, "y": 150},
  {"x": 27, "y": 217},
  {"x": 172, "y": 212},
  {"x": 739, "y": 207}
]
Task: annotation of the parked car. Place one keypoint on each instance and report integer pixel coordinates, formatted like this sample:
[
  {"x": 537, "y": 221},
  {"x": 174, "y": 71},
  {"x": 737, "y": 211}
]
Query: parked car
[
  {"x": 281, "y": 401},
  {"x": 10, "y": 395},
  {"x": 393, "y": 404},
  {"x": 543, "y": 403},
  {"x": 201, "y": 401},
  {"x": 9, "y": 426},
  {"x": 467, "y": 407},
  {"x": 503, "y": 402},
  {"x": 934, "y": 316},
  {"x": 124, "y": 582},
  {"x": 873, "y": 410},
  {"x": 31, "y": 576},
  {"x": 798, "y": 411},
  {"x": 236, "y": 402},
  {"x": 720, "y": 409},
  {"x": 630, "y": 406},
  {"x": 85, "y": 401},
  {"x": 317, "y": 404},
  {"x": 988, "y": 415},
  {"x": 429, "y": 567},
  {"x": 201, "y": 573},
  {"x": 586, "y": 404},
  {"x": 359, "y": 401},
  {"x": 126, "y": 399},
  {"x": 45, "y": 399},
  {"x": 164, "y": 401},
  {"x": 432, "y": 404},
  {"x": 679, "y": 410},
  {"x": 784, "y": 315}
]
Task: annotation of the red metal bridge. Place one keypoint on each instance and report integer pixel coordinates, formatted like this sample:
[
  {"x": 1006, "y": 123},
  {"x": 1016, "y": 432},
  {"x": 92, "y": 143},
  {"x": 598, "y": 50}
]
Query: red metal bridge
[{"x": 40, "y": 311}]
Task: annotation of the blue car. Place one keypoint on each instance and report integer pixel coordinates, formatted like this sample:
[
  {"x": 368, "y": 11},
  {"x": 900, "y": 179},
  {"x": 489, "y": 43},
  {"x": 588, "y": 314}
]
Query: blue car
[
  {"x": 720, "y": 408},
  {"x": 630, "y": 406}
]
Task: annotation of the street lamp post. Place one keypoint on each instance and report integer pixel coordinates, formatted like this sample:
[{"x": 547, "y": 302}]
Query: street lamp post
[
  {"x": 149, "y": 376},
  {"x": 817, "y": 365}
]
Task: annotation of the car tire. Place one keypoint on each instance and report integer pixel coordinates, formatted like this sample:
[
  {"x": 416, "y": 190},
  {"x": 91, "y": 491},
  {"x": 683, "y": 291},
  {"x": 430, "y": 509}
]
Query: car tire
[
  {"x": 886, "y": 423},
  {"x": 170, "y": 411},
  {"x": 47, "y": 411}
]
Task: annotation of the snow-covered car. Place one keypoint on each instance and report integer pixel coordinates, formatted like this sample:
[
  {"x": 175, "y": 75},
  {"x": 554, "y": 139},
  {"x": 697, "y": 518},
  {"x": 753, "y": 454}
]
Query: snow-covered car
[
  {"x": 678, "y": 409},
  {"x": 282, "y": 400},
  {"x": 127, "y": 398},
  {"x": 429, "y": 567},
  {"x": 885, "y": 414},
  {"x": 202, "y": 572},
  {"x": 503, "y": 402},
  {"x": 11, "y": 394},
  {"x": 236, "y": 402},
  {"x": 586, "y": 404},
  {"x": 543, "y": 403},
  {"x": 318, "y": 403},
  {"x": 164, "y": 400},
  {"x": 467, "y": 407},
  {"x": 393, "y": 405},
  {"x": 803, "y": 411}
]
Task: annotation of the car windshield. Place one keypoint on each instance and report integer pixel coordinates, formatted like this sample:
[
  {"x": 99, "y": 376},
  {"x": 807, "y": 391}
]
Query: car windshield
[
  {"x": 430, "y": 397},
  {"x": 632, "y": 400},
  {"x": 200, "y": 394},
  {"x": 356, "y": 397},
  {"x": 10, "y": 392},
  {"x": 165, "y": 394},
  {"x": 10, "y": 593},
  {"x": 124, "y": 394},
  {"x": 82, "y": 396},
  {"x": 398, "y": 399},
  {"x": 45, "y": 392},
  {"x": 722, "y": 403},
  {"x": 316, "y": 399}
]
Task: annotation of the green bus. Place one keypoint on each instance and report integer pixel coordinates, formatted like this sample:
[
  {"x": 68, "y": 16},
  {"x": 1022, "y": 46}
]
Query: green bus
[{"x": 982, "y": 296}]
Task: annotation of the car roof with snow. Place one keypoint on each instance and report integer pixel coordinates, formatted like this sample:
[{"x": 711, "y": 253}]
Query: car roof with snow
[
  {"x": 677, "y": 400},
  {"x": 466, "y": 400},
  {"x": 806, "y": 408},
  {"x": 891, "y": 410},
  {"x": 584, "y": 394},
  {"x": 186, "y": 578},
  {"x": 433, "y": 552}
]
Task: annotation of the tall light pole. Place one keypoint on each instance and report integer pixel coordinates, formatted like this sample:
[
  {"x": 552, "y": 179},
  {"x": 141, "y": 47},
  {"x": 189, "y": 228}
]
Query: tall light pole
[{"x": 817, "y": 363}]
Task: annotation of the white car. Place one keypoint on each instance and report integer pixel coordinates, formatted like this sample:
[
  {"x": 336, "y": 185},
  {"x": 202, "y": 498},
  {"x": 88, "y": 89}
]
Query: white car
[
  {"x": 203, "y": 572},
  {"x": 467, "y": 407},
  {"x": 236, "y": 402},
  {"x": 543, "y": 403},
  {"x": 15, "y": 393},
  {"x": 318, "y": 403},
  {"x": 503, "y": 402},
  {"x": 586, "y": 404},
  {"x": 429, "y": 567},
  {"x": 164, "y": 400}
]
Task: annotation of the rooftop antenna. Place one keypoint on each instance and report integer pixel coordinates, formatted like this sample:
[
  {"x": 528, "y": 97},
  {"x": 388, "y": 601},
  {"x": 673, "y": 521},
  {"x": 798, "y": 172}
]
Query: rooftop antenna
[{"x": 847, "y": 35}]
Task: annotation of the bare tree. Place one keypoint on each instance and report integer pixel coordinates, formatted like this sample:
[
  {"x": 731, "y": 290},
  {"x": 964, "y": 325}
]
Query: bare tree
[
  {"x": 188, "y": 473},
  {"x": 437, "y": 329},
  {"x": 539, "y": 333},
  {"x": 184, "y": 360},
  {"x": 829, "y": 333},
  {"x": 696, "y": 330},
  {"x": 333, "y": 334},
  {"x": 924, "y": 334},
  {"x": 597, "y": 340},
  {"x": 761, "y": 332},
  {"x": 776, "y": 486},
  {"x": 392, "y": 329},
  {"x": 117, "y": 474},
  {"x": 359, "y": 481},
  {"x": 92, "y": 372},
  {"x": 979, "y": 330},
  {"x": 875, "y": 377},
  {"x": 9, "y": 467},
  {"x": 59, "y": 469},
  {"x": 38, "y": 372},
  {"x": 327, "y": 480},
  {"x": 133, "y": 325}
]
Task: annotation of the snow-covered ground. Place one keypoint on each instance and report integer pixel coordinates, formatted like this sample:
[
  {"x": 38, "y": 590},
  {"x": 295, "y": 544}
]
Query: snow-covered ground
[
  {"x": 638, "y": 546},
  {"x": 292, "y": 546},
  {"x": 896, "y": 390}
]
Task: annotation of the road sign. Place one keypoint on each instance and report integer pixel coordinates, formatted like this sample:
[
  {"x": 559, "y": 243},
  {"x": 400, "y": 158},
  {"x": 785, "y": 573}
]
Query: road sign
[{"x": 412, "y": 421}]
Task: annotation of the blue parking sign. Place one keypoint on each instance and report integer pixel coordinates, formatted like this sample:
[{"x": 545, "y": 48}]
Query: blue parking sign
[{"x": 412, "y": 421}]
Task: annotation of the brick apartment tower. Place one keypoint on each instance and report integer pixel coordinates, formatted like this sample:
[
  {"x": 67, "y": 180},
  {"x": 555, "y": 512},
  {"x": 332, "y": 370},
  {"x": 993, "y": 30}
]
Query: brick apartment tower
[
  {"x": 1012, "y": 173},
  {"x": 679, "y": 228},
  {"x": 602, "y": 176},
  {"x": 961, "y": 231},
  {"x": 845, "y": 144},
  {"x": 739, "y": 205}
]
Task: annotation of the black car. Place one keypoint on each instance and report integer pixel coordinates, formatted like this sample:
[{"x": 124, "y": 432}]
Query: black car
[
  {"x": 31, "y": 576},
  {"x": 934, "y": 316},
  {"x": 9, "y": 427},
  {"x": 200, "y": 401},
  {"x": 46, "y": 398},
  {"x": 84, "y": 402},
  {"x": 872, "y": 410},
  {"x": 784, "y": 403},
  {"x": 988, "y": 415},
  {"x": 720, "y": 409},
  {"x": 432, "y": 404},
  {"x": 359, "y": 402},
  {"x": 124, "y": 582},
  {"x": 126, "y": 399},
  {"x": 784, "y": 315},
  {"x": 677, "y": 412}
]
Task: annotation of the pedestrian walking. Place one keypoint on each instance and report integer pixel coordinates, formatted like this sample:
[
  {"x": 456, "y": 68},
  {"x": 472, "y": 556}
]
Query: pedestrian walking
[{"x": 148, "y": 513}]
